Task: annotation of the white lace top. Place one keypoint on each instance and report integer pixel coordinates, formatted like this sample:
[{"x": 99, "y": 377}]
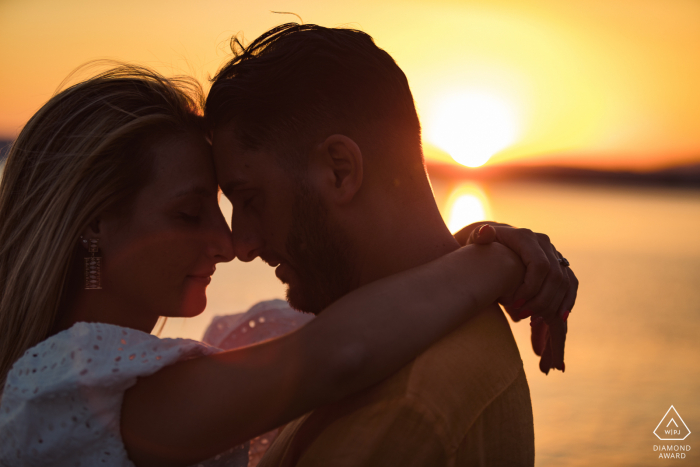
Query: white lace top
[{"x": 62, "y": 400}]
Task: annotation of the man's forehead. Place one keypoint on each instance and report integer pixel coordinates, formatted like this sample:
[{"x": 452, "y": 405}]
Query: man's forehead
[
  {"x": 229, "y": 154},
  {"x": 225, "y": 143},
  {"x": 237, "y": 167}
]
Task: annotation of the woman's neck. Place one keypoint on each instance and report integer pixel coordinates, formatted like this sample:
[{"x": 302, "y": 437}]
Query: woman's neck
[{"x": 93, "y": 307}]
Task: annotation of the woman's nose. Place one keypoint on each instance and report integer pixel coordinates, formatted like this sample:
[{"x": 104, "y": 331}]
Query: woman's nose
[{"x": 222, "y": 242}]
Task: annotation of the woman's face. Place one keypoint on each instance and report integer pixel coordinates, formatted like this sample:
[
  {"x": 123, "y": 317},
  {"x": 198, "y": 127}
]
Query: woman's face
[{"x": 158, "y": 258}]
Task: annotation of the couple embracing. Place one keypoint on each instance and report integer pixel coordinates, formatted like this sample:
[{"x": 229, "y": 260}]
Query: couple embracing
[{"x": 109, "y": 219}]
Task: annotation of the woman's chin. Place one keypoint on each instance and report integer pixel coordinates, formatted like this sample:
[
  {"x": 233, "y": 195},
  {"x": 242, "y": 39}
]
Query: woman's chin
[{"x": 193, "y": 304}]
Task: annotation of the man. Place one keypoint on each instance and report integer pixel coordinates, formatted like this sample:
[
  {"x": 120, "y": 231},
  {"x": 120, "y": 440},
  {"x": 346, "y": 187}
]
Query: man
[{"x": 328, "y": 117}]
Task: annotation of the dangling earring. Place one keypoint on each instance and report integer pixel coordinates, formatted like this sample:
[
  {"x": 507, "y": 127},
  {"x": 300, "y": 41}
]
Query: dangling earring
[{"x": 93, "y": 266}]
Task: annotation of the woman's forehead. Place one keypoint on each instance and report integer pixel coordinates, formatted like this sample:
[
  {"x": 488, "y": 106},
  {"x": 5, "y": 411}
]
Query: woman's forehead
[{"x": 181, "y": 163}]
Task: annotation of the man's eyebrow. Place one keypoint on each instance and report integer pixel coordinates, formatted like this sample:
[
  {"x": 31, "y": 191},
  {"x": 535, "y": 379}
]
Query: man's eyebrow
[{"x": 233, "y": 185}]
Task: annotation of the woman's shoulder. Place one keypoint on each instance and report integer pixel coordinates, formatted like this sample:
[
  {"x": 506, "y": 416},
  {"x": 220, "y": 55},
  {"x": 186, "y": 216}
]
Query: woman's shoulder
[
  {"x": 98, "y": 350},
  {"x": 64, "y": 395}
]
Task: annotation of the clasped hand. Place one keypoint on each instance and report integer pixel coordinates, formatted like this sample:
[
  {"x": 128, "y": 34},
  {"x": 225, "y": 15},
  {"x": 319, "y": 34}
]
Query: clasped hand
[{"x": 548, "y": 292}]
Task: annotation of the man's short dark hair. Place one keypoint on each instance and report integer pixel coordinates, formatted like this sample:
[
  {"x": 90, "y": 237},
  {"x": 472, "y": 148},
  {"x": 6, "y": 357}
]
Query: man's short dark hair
[{"x": 297, "y": 84}]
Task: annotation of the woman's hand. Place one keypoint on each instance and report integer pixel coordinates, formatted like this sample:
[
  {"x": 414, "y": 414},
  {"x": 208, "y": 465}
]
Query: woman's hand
[
  {"x": 545, "y": 341},
  {"x": 548, "y": 292}
]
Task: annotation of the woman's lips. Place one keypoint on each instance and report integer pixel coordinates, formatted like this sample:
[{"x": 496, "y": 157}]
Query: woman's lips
[
  {"x": 205, "y": 280},
  {"x": 203, "y": 277}
]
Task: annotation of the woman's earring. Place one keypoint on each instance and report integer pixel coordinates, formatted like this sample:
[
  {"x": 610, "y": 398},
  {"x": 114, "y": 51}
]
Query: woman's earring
[{"x": 93, "y": 266}]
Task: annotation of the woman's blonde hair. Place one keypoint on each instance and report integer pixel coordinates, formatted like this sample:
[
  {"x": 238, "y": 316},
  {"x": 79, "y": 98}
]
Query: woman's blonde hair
[{"x": 84, "y": 152}]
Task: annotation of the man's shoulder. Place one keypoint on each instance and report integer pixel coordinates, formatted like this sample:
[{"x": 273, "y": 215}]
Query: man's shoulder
[
  {"x": 460, "y": 375},
  {"x": 480, "y": 355},
  {"x": 454, "y": 379},
  {"x": 449, "y": 386}
]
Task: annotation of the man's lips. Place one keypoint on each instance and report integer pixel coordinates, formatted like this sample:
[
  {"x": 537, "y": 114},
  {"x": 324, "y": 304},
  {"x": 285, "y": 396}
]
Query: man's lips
[
  {"x": 282, "y": 272},
  {"x": 270, "y": 260}
]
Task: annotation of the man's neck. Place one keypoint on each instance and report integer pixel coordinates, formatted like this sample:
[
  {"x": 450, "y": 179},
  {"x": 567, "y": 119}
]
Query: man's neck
[{"x": 404, "y": 242}]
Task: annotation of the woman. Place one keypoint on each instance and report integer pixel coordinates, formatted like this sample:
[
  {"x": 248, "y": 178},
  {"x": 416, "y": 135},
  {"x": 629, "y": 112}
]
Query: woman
[{"x": 109, "y": 219}]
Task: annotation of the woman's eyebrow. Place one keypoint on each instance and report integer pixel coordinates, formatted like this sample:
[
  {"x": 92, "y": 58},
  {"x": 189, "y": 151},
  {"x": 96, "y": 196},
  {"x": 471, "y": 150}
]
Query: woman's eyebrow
[{"x": 199, "y": 191}]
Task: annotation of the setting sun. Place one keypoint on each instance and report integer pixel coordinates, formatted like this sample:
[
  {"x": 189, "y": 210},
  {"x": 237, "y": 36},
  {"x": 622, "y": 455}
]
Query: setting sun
[{"x": 472, "y": 126}]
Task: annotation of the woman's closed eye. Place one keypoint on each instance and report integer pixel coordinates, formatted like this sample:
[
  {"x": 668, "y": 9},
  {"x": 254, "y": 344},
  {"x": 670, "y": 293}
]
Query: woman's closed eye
[
  {"x": 190, "y": 211},
  {"x": 189, "y": 218}
]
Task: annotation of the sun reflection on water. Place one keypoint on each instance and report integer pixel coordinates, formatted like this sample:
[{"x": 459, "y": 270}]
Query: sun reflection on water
[{"x": 467, "y": 204}]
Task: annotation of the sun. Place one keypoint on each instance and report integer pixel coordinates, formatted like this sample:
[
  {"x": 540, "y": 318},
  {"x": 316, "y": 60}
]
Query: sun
[{"x": 472, "y": 126}]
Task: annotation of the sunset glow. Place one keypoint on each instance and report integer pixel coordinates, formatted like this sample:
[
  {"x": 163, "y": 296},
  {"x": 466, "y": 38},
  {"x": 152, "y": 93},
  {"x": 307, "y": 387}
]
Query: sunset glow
[
  {"x": 472, "y": 126},
  {"x": 589, "y": 83}
]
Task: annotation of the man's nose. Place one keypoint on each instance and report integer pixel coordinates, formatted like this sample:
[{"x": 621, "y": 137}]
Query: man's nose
[{"x": 247, "y": 244}]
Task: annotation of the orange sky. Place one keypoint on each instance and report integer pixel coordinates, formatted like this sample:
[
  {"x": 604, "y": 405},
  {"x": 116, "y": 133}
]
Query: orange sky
[{"x": 607, "y": 83}]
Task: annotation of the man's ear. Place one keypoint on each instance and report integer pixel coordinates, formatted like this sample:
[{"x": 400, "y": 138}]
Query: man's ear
[{"x": 343, "y": 162}]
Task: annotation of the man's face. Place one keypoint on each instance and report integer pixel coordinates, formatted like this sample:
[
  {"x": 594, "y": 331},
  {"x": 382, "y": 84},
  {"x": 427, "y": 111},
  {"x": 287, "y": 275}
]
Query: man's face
[{"x": 280, "y": 218}]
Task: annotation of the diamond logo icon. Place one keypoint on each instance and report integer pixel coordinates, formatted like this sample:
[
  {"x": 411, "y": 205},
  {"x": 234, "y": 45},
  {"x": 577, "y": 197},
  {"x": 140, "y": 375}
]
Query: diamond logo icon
[{"x": 672, "y": 427}]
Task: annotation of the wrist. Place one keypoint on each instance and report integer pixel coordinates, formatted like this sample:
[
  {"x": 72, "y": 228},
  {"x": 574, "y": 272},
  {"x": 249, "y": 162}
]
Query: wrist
[{"x": 511, "y": 269}]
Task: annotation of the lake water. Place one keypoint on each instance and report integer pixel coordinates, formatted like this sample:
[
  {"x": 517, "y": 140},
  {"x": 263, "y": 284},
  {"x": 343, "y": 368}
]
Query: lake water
[{"x": 633, "y": 348}]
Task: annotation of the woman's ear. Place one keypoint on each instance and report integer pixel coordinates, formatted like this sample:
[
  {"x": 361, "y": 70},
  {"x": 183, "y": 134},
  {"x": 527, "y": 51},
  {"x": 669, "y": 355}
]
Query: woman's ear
[
  {"x": 95, "y": 225},
  {"x": 92, "y": 231},
  {"x": 342, "y": 162}
]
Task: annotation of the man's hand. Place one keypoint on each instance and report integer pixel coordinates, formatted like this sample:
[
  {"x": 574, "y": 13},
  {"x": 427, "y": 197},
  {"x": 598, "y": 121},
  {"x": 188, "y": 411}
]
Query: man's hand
[{"x": 548, "y": 292}]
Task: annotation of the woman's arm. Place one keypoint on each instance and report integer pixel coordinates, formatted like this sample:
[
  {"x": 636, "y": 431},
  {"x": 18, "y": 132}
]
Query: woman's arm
[
  {"x": 548, "y": 291},
  {"x": 195, "y": 409}
]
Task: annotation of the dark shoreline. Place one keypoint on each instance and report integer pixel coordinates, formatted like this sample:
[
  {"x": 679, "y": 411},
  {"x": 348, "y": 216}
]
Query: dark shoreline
[{"x": 686, "y": 176}]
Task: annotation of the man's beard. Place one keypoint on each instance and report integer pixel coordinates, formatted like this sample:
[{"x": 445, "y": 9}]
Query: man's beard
[{"x": 320, "y": 255}]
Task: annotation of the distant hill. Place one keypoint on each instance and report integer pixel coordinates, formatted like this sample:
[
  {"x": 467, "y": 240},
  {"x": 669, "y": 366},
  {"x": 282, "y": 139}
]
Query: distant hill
[{"x": 680, "y": 176}]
